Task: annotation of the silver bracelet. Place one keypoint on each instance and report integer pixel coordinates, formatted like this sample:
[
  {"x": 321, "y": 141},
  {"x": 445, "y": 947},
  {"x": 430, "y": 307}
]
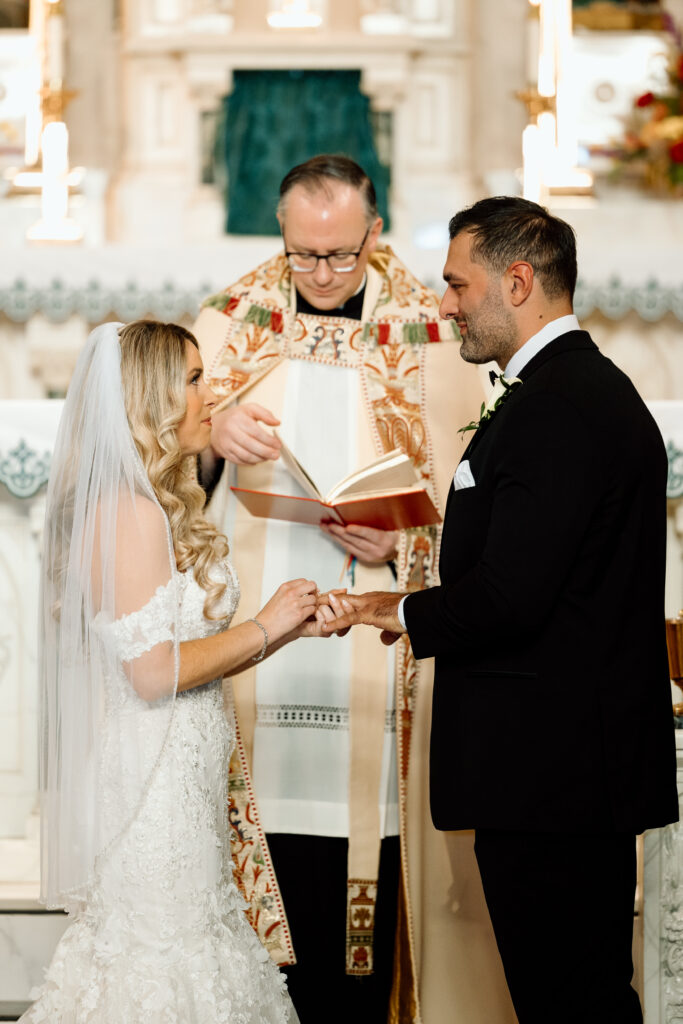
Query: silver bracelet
[{"x": 261, "y": 654}]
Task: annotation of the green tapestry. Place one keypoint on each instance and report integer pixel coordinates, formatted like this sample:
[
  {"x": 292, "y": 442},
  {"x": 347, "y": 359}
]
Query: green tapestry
[{"x": 277, "y": 119}]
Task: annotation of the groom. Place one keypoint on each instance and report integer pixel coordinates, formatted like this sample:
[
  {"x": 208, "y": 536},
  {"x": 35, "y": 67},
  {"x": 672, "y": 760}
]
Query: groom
[{"x": 552, "y": 733}]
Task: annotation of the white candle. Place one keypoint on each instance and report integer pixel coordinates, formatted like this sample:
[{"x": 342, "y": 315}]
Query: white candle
[
  {"x": 532, "y": 163},
  {"x": 546, "y": 59},
  {"x": 532, "y": 45},
  {"x": 55, "y": 195},
  {"x": 34, "y": 120},
  {"x": 547, "y": 136},
  {"x": 55, "y": 47},
  {"x": 566, "y": 95}
]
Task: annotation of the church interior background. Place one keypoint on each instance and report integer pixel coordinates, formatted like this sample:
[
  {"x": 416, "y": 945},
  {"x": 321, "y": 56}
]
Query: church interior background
[{"x": 141, "y": 147}]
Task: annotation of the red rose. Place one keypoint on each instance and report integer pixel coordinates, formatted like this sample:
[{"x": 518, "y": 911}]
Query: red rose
[
  {"x": 645, "y": 100},
  {"x": 676, "y": 152},
  {"x": 679, "y": 67}
]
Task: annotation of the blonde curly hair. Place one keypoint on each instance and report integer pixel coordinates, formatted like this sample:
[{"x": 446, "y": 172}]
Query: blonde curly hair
[{"x": 153, "y": 374}]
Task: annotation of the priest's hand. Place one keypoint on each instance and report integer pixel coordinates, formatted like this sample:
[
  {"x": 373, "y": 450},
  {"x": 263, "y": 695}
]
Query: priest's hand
[
  {"x": 238, "y": 436},
  {"x": 377, "y": 608},
  {"x": 367, "y": 544}
]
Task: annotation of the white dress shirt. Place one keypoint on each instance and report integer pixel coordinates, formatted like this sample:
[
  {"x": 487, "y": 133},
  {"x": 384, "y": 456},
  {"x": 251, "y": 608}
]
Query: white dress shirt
[
  {"x": 530, "y": 348},
  {"x": 523, "y": 355}
]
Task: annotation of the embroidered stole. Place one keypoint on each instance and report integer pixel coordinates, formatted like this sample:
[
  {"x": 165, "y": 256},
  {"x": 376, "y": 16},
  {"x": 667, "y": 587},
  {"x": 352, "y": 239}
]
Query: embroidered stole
[{"x": 388, "y": 348}]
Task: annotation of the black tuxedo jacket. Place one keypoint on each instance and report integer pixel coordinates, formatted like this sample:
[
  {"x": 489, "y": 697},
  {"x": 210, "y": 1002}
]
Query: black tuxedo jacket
[{"x": 552, "y": 703}]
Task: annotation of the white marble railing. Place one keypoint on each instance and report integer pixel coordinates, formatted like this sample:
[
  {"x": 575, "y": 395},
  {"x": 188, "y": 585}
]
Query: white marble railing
[{"x": 95, "y": 301}]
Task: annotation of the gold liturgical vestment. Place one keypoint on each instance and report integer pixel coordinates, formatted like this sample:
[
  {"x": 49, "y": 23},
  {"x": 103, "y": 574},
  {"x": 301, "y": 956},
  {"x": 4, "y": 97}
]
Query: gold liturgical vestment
[{"x": 416, "y": 392}]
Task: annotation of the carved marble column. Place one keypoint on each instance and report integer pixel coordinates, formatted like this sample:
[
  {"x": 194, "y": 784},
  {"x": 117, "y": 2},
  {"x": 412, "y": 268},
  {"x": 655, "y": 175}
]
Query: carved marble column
[
  {"x": 26, "y": 436},
  {"x": 208, "y": 81}
]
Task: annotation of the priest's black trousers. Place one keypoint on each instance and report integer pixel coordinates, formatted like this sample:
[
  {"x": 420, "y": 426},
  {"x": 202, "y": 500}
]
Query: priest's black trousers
[
  {"x": 562, "y": 911},
  {"x": 311, "y": 871}
]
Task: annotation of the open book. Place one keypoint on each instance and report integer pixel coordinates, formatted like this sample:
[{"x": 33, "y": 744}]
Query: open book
[{"x": 387, "y": 495}]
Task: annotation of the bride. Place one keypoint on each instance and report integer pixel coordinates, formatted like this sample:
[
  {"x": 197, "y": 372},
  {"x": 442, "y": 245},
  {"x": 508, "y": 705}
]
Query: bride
[{"x": 137, "y": 597}]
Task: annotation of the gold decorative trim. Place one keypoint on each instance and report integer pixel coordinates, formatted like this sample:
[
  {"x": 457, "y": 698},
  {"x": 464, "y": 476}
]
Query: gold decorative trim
[{"x": 253, "y": 869}]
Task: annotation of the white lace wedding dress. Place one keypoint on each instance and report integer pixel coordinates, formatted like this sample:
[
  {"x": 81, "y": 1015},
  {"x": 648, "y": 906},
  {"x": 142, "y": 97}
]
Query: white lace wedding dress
[{"x": 162, "y": 937}]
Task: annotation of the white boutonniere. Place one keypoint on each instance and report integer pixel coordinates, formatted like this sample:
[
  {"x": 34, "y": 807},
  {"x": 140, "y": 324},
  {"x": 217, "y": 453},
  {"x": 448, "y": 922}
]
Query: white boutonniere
[{"x": 501, "y": 390}]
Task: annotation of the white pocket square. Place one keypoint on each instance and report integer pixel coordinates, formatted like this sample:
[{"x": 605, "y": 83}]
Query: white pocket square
[{"x": 463, "y": 477}]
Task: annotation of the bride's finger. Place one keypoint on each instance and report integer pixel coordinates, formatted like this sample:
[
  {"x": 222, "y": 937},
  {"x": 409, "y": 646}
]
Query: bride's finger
[{"x": 302, "y": 586}]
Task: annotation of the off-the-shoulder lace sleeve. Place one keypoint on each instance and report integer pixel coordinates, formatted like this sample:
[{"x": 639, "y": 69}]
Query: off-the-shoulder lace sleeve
[
  {"x": 139, "y": 613},
  {"x": 140, "y": 631}
]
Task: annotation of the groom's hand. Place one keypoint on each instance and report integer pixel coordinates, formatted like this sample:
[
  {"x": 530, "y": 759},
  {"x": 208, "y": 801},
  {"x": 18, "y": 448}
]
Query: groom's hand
[{"x": 377, "y": 608}]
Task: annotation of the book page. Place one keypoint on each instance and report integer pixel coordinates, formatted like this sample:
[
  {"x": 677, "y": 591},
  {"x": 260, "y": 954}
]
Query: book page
[
  {"x": 393, "y": 471},
  {"x": 297, "y": 470}
]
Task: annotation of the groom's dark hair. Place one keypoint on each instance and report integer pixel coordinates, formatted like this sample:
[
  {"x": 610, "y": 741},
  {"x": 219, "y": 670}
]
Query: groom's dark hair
[{"x": 507, "y": 228}]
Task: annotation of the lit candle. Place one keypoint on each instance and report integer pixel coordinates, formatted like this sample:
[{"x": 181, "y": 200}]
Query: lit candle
[
  {"x": 546, "y": 59},
  {"x": 566, "y": 96},
  {"x": 55, "y": 47},
  {"x": 532, "y": 163},
  {"x": 532, "y": 44},
  {"x": 34, "y": 119},
  {"x": 547, "y": 132},
  {"x": 55, "y": 195}
]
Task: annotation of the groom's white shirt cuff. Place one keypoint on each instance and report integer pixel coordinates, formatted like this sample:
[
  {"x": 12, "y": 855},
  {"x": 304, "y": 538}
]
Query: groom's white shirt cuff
[{"x": 399, "y": 612}]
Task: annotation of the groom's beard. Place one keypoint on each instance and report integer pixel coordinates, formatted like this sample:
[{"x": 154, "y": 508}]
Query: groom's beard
[{"x": 489, "y": 332}]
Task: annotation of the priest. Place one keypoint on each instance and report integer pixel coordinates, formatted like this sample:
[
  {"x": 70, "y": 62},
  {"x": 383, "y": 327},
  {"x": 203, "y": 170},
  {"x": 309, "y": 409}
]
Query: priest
[{"x": 335, "y": 344}]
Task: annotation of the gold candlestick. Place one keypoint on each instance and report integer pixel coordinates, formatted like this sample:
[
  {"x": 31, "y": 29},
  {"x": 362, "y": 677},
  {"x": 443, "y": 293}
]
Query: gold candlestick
[{"x": 674, "y": 643}]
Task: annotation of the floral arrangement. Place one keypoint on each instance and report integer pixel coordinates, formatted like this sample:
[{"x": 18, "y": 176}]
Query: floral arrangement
[{"x": 653, "y": 140}]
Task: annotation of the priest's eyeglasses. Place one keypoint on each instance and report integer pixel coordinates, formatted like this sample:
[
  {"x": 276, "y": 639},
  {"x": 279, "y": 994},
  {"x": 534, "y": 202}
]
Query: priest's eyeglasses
[{"x": 338, "y": 262}]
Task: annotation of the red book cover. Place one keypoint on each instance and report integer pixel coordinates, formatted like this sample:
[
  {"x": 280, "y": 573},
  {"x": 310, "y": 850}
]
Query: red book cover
[{"x": 390, "y": 510}]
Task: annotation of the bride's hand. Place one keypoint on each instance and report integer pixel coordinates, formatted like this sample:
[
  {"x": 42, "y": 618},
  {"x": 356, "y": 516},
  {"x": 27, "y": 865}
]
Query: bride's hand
[
  {"x": 291, "y": 604},
  {"x": 328, "y": 608}
]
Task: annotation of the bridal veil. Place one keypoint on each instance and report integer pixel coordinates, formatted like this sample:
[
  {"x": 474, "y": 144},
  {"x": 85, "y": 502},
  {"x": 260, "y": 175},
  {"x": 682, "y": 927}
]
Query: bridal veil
[{"x": 107, "y": 557}]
